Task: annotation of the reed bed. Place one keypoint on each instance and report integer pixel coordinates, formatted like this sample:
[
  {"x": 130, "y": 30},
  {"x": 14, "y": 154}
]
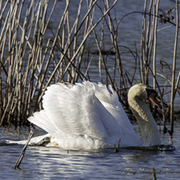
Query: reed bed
[{"x": 35, "y": 55}]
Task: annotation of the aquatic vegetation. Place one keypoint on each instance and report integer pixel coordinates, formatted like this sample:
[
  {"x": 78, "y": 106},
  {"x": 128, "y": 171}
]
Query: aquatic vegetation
[{"x": 34, "y": 54}]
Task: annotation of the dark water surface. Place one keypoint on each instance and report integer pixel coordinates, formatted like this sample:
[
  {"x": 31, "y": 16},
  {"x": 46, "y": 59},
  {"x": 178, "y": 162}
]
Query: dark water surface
[{"x": 55, "y": 163}]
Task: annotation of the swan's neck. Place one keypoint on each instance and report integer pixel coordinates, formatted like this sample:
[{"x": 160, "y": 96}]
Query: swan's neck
[{"x": 146, "y": 122}]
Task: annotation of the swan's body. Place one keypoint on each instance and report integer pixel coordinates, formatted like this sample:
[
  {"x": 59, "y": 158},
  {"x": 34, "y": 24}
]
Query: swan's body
[{"x": 89, "y": 116}]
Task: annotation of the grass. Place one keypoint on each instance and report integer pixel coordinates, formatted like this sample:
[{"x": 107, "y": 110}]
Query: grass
[{"x": 35, "y": 55}]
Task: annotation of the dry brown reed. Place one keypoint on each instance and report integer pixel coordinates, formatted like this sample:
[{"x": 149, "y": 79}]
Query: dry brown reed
[
  {"x": 30, "y": 61},
  {"x": 34, "y": 54},
  {"x": 148, "y": 54},
  {"x": 174, "y": 68}
]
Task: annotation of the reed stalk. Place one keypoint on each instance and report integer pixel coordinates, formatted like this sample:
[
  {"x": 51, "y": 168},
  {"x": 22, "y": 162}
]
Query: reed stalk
[
  {"x": 156, "y": 7},
  {"x": 35, "y": 55},
  {"x": 18, "y": 162},
  {"x": 174, "y": 69},
  {"x": 113, "y": 33},
  {"x": 154, "y": 173},
  {"x": 25, "y": 69},
  {"x": 143, "y": 42}
]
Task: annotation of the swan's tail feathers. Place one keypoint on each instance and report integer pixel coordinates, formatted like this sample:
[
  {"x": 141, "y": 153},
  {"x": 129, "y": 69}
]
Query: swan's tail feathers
[
  {"x": 41, "y": 120},
  {"x": 36, "y": 141}
]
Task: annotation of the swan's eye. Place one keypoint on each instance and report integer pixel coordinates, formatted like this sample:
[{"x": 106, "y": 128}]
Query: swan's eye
[{"x": 150, "y": 92}]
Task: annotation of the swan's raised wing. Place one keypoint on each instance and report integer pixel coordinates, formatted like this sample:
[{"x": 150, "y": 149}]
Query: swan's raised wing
[
  {"x": 87, "y": 112},
  {"x": 41, "y": 120},
  {"x": 109, "y": 99},
  {"x": 75, "y": 110}
]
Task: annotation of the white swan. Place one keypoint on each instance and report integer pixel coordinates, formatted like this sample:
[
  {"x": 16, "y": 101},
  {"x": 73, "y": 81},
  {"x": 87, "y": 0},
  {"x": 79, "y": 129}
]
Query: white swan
[{"x": 89, "y": 116}]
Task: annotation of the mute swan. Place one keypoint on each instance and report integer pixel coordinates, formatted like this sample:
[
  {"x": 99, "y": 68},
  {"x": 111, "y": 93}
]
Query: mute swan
[{"x": 89, "y": 116}]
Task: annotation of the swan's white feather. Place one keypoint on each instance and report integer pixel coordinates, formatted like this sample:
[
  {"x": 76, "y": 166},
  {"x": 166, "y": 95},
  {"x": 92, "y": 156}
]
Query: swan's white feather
[
  {"x": 41, "y": 119},
  {"x": 84, "y": 116},
  {"x": 34, "y": 141}
]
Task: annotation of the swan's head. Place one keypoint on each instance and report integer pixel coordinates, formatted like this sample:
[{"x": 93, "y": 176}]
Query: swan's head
[
  {"x": 143, "y": 92},
  {"x": 136, "y": 97}
]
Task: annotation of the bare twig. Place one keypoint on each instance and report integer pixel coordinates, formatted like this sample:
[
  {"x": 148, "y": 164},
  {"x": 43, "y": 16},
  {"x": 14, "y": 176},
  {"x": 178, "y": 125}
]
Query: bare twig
[
  {"x": 174, "y": 68},
  {"x": 23, "y": 150}
]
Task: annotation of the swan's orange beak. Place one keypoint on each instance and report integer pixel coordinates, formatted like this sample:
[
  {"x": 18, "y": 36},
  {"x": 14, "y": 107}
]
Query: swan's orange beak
[{"x": 153, "y": 97}]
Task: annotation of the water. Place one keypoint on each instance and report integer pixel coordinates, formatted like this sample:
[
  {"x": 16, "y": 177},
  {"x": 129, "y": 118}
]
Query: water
[{"x": 55, "y": 163}]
